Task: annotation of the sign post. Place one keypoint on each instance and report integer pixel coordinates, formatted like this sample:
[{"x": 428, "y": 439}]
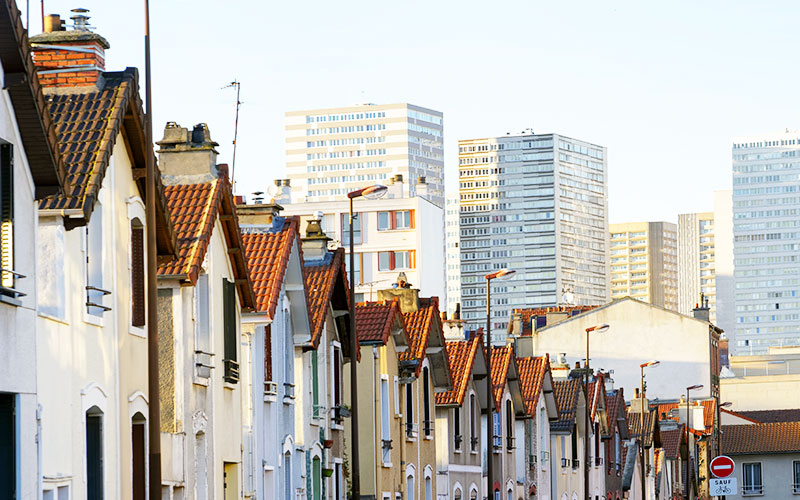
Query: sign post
[{"x": 723, "y": 483}]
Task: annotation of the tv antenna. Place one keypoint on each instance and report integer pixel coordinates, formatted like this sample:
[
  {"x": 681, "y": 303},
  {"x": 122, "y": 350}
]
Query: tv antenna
[{"x": 238, "y": 86}]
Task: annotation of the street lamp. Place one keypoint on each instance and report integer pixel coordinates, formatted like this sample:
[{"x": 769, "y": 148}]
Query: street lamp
[
  {"x": 501, "y": 274},
  {"x": 653, "y": 362},
  {"x": 371, "y": 192},
  {"x": 688, "y": 451},
  {"x": 592, "y": 329}
]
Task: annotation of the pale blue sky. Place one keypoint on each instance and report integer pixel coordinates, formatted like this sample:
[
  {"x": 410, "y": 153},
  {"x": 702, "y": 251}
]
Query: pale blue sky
[{"x": 663, "y": 86}]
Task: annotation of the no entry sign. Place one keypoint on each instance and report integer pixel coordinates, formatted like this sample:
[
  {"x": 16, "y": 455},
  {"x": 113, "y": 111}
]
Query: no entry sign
[{"x": 722, "y": 466}]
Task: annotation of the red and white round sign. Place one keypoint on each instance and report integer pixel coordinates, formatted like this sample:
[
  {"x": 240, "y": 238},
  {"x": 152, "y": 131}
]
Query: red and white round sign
[{"x": 722, "y": 466}]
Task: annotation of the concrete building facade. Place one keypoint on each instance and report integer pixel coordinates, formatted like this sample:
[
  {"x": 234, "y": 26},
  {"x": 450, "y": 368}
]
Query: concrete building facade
[
  {"x": 536, "y": 203},
  {"x": 332, "y": 151},
  {"x": 766, "y": 239},
  {"x": 644, "y": 262},
  {"x": 452, "y": 228},
  {"x": 391, "y": 235},
  {"x": 705, "y": 261}
]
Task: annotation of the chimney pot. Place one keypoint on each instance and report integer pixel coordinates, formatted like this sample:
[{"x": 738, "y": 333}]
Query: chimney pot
[{"x": 53, "y": 22}]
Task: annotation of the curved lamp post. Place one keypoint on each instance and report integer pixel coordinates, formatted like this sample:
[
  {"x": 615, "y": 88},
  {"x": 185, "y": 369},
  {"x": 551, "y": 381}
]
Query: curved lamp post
[
  {"x": 688, "y": 450},
  {"x": 655, "y": 363},
  {"x": 371, "y": 192},
  {"x": 501, "y": 274},
  {"x": 592, "y": 329}
]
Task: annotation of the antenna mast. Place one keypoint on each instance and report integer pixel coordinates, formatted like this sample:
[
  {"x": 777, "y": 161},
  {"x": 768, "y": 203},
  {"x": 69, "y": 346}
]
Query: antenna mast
[{"x": 238, "y": 86}]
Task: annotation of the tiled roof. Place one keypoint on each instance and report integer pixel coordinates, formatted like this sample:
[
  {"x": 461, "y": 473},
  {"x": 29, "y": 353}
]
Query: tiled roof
[
  {"x": 194, "y": 209},
  {"x": 532, "y": 373},
  {"x": 461, "y": 358},
  {"x": 541, "y": 314},
  {"x": 501, "y": 360},
  {"x": 418, "y": 326},
  {"x": 321, "y": 278},
  {"x": 374, "y": 320},
  {"x": 593, "y": 390},
  {"x": 267, "y": 256},
  {"x": 671, "y": 441},
  {"x": 771, "y": 416},
  {"x": 566, "y": 392},
  {"x": 88, "y": 124},
  {"x": 709, "y": 410},
  {"x": 756, "y": 439},
  {"x": 615, "y": 400},
  {"x": 643, "y": 425}
]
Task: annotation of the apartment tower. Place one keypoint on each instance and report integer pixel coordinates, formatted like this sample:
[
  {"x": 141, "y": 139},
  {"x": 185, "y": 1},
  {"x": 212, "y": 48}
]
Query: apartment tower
[
  {"x": 644, "y": 262},
  {"x": 332, "y": 151},
  {"x": 766, "y": 204},
  {"x": 705, "y": 261},
  {"x": 452, "y": 251},
  {"x": 535, "y": 203}
]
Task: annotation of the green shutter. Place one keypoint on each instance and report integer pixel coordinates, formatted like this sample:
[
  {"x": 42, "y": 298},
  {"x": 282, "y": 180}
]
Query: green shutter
[{"x": 315, "y": 382}]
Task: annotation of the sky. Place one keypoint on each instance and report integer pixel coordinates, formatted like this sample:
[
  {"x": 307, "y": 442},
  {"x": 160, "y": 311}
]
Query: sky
[{"x": 664, "y": 86}]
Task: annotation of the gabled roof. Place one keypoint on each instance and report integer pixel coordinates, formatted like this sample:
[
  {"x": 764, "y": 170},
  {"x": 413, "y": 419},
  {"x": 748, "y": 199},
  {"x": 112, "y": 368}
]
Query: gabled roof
[
  {"x": 597, "y": 389},
  {"x": 671, "y": 441},
  {"x": 267, "y": 253},
  {"x": 326, "y": 281},
  {"x": 644, "y": 425},
  {"x": 617, "y": 414},
  {"x": 461, "y": 356},
  {"x": 528, "y": 315},
  {"x": 771, "y": 416},
  {"x": 88, "y": 122},
  {"x": 36, "y": 127},
  {"x": 194, "y": 210},
  {"x": 761, "y": 439},
  {"x": 567, "y": 392},
  {"x": 535, "y": 378},
  {"x": 419, "y": 325},
  {"x": 502, "y": 363},
  {"x": 376, "y": 320}
]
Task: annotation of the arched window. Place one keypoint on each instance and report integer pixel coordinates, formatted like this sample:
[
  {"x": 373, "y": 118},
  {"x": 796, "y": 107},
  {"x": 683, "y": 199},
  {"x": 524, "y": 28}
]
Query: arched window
[
  {"x": 94, "y": 454},
  {"x": 139, "y": 456},
  {"x": 457, "y": 493},
  {"x": 410, "y": 487},
  {"x": 316, "y": 478},
  {"x": 287, "y": 476}
]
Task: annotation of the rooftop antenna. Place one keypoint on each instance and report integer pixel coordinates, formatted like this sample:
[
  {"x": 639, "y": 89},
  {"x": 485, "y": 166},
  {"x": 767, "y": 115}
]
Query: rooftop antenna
[{"x": 238, "y": 86}]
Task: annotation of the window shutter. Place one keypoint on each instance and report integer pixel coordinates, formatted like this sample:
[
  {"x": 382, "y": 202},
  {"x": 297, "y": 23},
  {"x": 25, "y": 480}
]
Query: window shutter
[
  {"x": 229, "y": 332},
  {"x": 7, "y": 214},
  {"x": 137, "y": 276}
]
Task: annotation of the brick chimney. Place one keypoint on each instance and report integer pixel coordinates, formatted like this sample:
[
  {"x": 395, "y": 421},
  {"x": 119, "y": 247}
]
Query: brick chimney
[{"x": 69, "y": 58}]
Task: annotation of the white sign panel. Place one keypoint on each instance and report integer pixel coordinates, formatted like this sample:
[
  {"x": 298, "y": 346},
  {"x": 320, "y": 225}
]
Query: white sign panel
[{"x": 719, "y": 487}]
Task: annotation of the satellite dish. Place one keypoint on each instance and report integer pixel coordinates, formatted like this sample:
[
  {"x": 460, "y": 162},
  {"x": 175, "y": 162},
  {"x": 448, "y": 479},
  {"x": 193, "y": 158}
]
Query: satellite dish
[
  {"x": 272, "y": 190},
  {"x": 567, "y": 298}
]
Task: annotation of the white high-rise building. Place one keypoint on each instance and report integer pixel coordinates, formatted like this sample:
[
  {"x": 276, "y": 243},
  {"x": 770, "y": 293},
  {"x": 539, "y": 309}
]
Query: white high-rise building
[
  {"x": 705, "y": 262},
  {"x": 766, "y": 204},
  {"x": 535, "y": 203},
  {"x": 332, "y": 151},
  {"x": 452, "y": 251}
]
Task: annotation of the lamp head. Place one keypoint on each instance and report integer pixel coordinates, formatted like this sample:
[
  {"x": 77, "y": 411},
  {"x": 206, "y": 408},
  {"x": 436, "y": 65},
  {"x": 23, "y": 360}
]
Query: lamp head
[
  {"x": 653, "y": 362},
  {"x": 502, "y": 273},
  {"x": 598, "y": 328},
  {"x": 370, "y": 192},
  {"x": 694, "y": 387},
  {"x": 725, "y": 404}
]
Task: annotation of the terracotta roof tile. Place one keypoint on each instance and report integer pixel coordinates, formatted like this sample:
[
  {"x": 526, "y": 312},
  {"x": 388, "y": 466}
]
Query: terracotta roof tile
[
  {"x": 532, "y": 373},
  {"x": 267, "y": 254},
  {"x": 418, "y": 327},
  {"x": 320, "y": 278},
  {"x": 614, "y": 400},
  {"x": 595, "y": 389},
  {"x": 643, "y": 425},
  {"x": 374, "y": 320},
  {"x": 566, "y": 392},
  {"x": 501, "y": 361},
  {"x": 771, "y": 416},
  {"x": 756, "y": 439},
  {"x": 709, "y": 410},
  {"x": 461, "y": 358},
  {"x": 671, "y": 441},
  {"x": 193, "y": 209}
]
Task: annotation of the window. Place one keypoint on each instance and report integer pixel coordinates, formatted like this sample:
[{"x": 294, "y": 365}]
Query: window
[
  {"x": 574, "y": 446},
  {"x": 473, "y": 423},
  {"x": 229, "y": 317},
  {"x": 137, "y": 273},
  {"x": 751, "y": 480},
  {"x": 8, "y": 447},
  {"x": 94, "y": 454},
  {"x": 358, "y": 261},
  {"x": 316, "y": 478},
  {"x": 7, "y": 215},
  {"x": 356, "y": 228},
  {"x": 426, "y": 396},
  {"x": 337, "y": 376},
  {"x": 396, "y": 395},
  {"x": 139, "y": 457},
  {"x": 509, "y": 427},
  {"x": 268, "y": 353},
  {"x": 392, "y": 260},
  {"x": 457, "y": 494},
  {"x": 428, "y": 488},
  {"x": 315, "y": 384},
  {"x": 386, "y": 433},
  {"x": 796, "y": 476},
  {"x": 410, "y": 431},
  {"x": 410, "y": 487},
  {"x": 497, "y": 431},
  {"x": 94, "y": 263},
  {"x": 457, "y": 429},
  {"x": 287, "y": 476},
  {"x": 397, "y": 219}
]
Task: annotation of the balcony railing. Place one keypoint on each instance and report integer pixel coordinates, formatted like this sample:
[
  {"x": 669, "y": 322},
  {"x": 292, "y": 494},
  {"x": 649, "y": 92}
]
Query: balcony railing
[
  {"x": 231, "y": 371},
  {"x": 11, "y": 291},
  {"x": 317, "y": 411},
  {"x": 753, "y": 489},
  {"x": 598, "y": 461},
  {"x": 576, "y": 463},
  {"x": 288, "y": 390},
  {"x": 497, "y": 443},
  {"x": 457, "y": 439},
  {"x": 339, "y": 414},
  {"x": 427, "y": 427},
  {"x": 99, "y": 293},
  {"x": 386, "y": 444},
  {"x": 473, "y": 443},
  {"x": 412, "y": 430},
  {"x": 510, "y": 441},
  {"x": 532, "y": 461},
  {"x": 796, "y": 488},
  {"x": 270, "y": 388},
  {"x": 564, "y": 463}
]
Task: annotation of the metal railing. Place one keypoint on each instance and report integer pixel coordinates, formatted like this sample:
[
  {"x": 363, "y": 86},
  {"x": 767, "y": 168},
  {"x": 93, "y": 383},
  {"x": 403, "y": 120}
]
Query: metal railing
[
  {"x": 288, "y": 390},
  {"x": 412, "y": 430},
  {"x": 576, "y": 463},
  {"x": 231, "y": 371},
  {"x": 564, "y": 463},
  {"x": 89, "y": 302},
  {"x": 796, "y": 488},
  {"x": 598, "y": 461},
  {"x": 427, "y": 427},
  {"x": 11, "y": 291},
  {"x": 510, "y": 442},
  {"x": 457, "y": 439},
  {"x": 317, "y": 411},
  {"x": 473, "y": 443},
  {"x": 270, "y": 388},
  {"x": 497, "y": 443},
  {"x": 752, "y": 489}
]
